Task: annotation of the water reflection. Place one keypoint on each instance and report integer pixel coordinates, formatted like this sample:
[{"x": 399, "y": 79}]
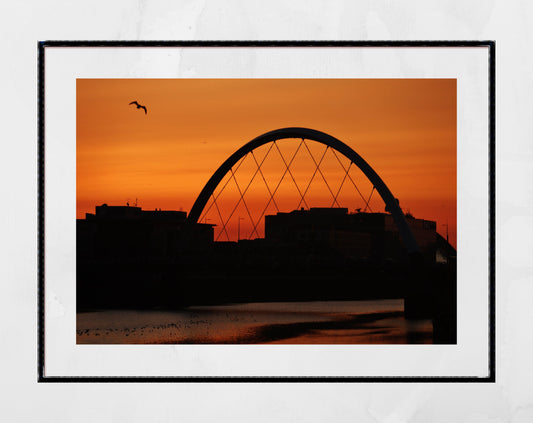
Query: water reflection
[{"x": 320, "y": 322}]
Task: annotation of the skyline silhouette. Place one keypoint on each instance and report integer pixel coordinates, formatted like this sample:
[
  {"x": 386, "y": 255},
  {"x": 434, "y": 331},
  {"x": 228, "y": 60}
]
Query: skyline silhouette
[
  {"x": 406, "y": 129},
  {"x": 134, "y": 259}
]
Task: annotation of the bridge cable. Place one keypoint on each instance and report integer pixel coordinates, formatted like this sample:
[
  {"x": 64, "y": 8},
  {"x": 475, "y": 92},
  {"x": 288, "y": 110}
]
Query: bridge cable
[
  {"x": 367, "y": 203},
  {"x": 350, "y": 178},
  {"x": 313, "y": 176},
  {"x": 342, "y": 183},
  {"x": 278, "y": 185},
  {"x": 222, "y": 189},
  {"x": 241, "y": 199},
  {"x": 221, "y": 219},
  {"x": 245, "y": 190},
  {"x": 290, "y": 173},
  {"x": 262, "y": 175},
  {"x": 242, "y": 196},
  {"x": 321, "y": 174}
]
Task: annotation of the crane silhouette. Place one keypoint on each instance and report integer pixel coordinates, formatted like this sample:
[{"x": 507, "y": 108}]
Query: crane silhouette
[{"x": 139, "y": 106}]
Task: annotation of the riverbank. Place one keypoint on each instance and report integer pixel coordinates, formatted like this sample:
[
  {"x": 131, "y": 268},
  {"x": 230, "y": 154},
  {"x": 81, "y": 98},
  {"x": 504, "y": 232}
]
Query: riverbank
[{"x": 319, "y": 322}]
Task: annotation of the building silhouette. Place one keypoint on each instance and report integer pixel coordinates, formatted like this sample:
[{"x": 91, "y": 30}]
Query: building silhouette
[
  {"x": 129, "y": 257},
  {"x": 134, "y": 258},
  {"x": 361, "y": 236},
  {"x": 130, "y": 232}
]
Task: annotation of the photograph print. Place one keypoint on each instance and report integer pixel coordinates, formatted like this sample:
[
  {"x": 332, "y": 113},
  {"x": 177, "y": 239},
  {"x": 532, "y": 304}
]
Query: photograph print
[{"x": 266, "y": 211}]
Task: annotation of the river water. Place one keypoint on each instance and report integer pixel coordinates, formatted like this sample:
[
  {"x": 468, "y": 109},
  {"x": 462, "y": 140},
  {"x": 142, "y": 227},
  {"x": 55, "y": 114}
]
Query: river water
[{"x": 316, "y": 322}]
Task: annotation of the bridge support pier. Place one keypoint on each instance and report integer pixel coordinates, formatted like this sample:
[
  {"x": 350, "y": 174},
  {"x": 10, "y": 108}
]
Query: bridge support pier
[
  {"x": 432, "y": 294},
  {"x": 418, "y": 297}
]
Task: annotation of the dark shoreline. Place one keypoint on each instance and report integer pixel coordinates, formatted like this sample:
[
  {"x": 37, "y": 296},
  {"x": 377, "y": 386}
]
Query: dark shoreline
[
  {"x": 282, "y": 331},
  {"x": 252, "y": 324}
]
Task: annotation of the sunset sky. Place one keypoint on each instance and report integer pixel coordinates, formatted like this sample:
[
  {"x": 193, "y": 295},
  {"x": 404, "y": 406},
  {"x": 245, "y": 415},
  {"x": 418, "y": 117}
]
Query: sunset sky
[{"x": 404, "y": 128}]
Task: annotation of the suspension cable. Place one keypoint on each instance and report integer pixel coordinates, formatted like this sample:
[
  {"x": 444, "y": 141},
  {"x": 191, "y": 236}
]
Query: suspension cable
[
  {"x": 222, "y": 189},
  {"x": 222, "y": 220},
  {"x": 321, "y": 174},
  {"x": 293, "y": 180},
  {"x": 263, "y": 176},
  {"x": 313, "y": 176},
  {"x": 350, "y": 178},
  {"x": 370, "y": 196},
  {"x": 279, "y": 183},
  {"x": 340, "y": 186}
]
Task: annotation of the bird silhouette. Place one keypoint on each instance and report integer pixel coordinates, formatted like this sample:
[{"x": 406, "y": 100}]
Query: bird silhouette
[{"x": 139, "y": 106}]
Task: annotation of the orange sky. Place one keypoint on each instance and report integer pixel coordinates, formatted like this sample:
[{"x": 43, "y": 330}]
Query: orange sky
[{"x": 404, "y": 128}]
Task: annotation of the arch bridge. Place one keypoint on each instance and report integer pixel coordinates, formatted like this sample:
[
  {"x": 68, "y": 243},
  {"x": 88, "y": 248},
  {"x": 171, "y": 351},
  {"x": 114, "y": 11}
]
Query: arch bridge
[{"x": 303, "y": 134}]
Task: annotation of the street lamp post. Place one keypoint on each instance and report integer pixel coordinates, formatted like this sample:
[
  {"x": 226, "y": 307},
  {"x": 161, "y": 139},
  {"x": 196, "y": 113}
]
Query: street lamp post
[{"x": 239, "y": 228}]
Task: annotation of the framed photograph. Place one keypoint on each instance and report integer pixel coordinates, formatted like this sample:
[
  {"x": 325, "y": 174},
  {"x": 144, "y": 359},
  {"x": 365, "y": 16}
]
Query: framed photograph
[{"x": 266, "y": 211}]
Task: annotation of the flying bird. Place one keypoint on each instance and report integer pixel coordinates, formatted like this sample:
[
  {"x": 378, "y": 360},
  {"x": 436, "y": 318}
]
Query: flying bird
[{"x": 139, "y": 106}]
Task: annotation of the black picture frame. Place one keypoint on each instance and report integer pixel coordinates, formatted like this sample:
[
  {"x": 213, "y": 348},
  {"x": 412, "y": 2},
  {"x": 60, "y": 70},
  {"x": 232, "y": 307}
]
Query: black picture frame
[{"x": 43, "y": 45}]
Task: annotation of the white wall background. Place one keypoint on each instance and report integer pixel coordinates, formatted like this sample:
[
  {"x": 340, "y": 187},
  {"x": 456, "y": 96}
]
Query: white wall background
[{"x": 510, "y": 399}]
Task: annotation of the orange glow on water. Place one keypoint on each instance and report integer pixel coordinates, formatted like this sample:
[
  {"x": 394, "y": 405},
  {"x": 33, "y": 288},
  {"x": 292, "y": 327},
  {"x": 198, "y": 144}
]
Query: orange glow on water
[{"x": 404, "y": 128}]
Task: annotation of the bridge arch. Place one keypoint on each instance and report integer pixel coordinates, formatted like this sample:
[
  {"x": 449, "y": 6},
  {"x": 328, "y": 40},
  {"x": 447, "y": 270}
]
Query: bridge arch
[{"x": 320, "y": 137}]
